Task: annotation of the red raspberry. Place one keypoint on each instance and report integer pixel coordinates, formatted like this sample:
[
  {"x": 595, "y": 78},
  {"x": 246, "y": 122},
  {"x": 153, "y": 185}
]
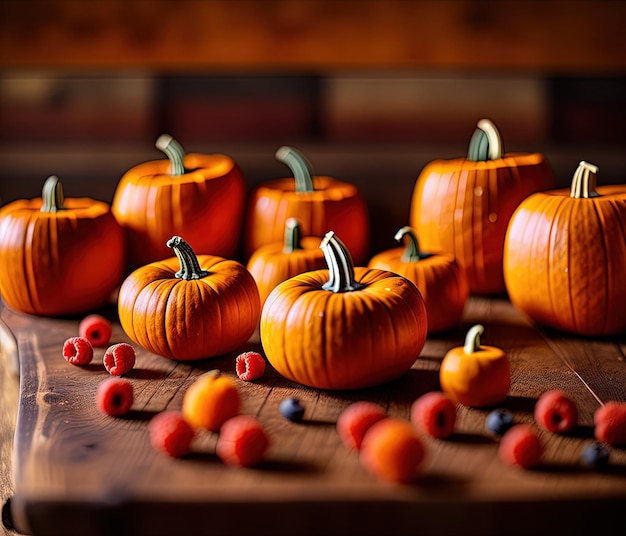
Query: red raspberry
[
  {"x": 119, "y": 358},
  {"x": 556, "y": 412},
  {"x": 115, "y": 396},
  {"x": 171, "y": 433},
  {"x": 435, "y": 414},
  {"x": 242, "y": 441},
  {"x": 610, "y": 423},
  {"x": 356, "y": 420},
  {"x": 96, "y": 329},
  {"x": 249, "y": 366},
  {"x": 78, "y": 351},
  {"x": 520, "y": 445}
]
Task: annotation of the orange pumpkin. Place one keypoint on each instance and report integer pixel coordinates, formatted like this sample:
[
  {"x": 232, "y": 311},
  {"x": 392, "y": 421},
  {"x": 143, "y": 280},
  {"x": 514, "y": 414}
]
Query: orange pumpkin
[
  {"x": 274, "y": 263},
  {"x": 59, "y": 256},
  {"x": 343, "y": 327},
  {"x": 319, "y": 203},
  {"x": 565, "y": 254},
  {"x": 201, "y": 197},
  {"x": 462, "y": 206},
  {"x": 438, "y": 277},
  {"x": 189, "y": 307}
]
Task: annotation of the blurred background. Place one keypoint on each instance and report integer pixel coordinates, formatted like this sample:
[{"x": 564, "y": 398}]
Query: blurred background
[{"x": 369, "y": 90}]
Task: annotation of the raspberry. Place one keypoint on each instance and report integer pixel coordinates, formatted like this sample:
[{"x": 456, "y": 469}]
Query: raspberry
[
  {"x": 556, "y": 412},
  {"x": 242, "y": 441},
  {"x": 610, "y": 423},
  {"x": 78, "y": 351},
  {"x": 249, "y": 366},
  {"x": 435, "y": 414},
  {"x": 521, "y": 446},
  {"x": 595, "y": 456},
  {"x": 170, "y": 433},
  {"x": 119, "y": 359},
  {"x": 115, "y": 396},
  {"x": 291, "y": 409},
  {"x": 356, "y": 420},
  {"x": 96, "y": 329},
  {"x": 499, "y": 421}
]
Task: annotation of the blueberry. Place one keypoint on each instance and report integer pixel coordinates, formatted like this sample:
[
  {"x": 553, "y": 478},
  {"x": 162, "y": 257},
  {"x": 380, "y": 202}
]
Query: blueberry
[
  {"x": 499, "y": 421},
  {"x": 595, "y": 456},
  {"x": 291, "y": 409}
]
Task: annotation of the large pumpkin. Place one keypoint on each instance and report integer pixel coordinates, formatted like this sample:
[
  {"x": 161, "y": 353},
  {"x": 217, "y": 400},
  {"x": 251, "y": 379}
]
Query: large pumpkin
[
  {"x": 462, "y": 206},
  {"x": 319, "y": 203},
  {"x": 189, "y": 307},
  {"x": 565, "y": 255},
  {"x": 343, "y": 327},
  {"x": 200, "y": 197},
  {"x": 59, "y": 256}
]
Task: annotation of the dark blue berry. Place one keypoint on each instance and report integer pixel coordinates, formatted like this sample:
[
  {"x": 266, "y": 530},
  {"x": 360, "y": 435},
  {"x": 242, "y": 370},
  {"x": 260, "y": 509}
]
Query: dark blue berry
[
  {"x": 499, "y": 421},
  {"x": 595, "y": 456},
  {"x": 291, "y": 409}
]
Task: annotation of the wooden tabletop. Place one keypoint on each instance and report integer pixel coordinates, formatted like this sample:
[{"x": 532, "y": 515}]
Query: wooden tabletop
[{"x": 76, "y": 471}]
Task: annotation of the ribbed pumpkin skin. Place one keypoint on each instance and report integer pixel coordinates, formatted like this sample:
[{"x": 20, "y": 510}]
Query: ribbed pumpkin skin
[
  {"x": 205, "y": 205},
  {"x": 188, "y": 320},
  {"x": 564, "y": 261},
  {"x": 343, "y": 340},
  {"x": 462, "y": 207},
  {"x": 59, "y": 263}
]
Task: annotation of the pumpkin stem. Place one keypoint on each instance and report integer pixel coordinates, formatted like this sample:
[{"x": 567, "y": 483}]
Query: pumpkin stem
[
  {"x": 299, "y": 166},
  {"x": 340, "y": 266},
  {"x": 52, "y": 195},
  {"x": 189, "y": 265},
  {"x": 486, "y": 143},
  {"x": 174, "y": 152},
  {"x": 292, "y": 236},
  {"x": 412, "y": 251},
  {"x": 472, "y": 339},
  {"x": 584, "y": 181}
]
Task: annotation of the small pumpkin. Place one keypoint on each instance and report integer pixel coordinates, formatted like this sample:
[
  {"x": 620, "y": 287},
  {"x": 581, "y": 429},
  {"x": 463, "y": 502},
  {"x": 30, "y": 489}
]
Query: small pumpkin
[
  {"x": 318, "y": 203},
  {"x": 475, "y": 375},
  {"x": 189, "y": 307},
  {"x": 343, "y": 327},
  {"x": 198, "y": 196},
  {"x": 59, "y": 256},
  {"x": 438, "y": 277},
  {"x": 565, "y": 253},
  {"x": 274, "y": 263},
  {"x": 462, "y": 206}
]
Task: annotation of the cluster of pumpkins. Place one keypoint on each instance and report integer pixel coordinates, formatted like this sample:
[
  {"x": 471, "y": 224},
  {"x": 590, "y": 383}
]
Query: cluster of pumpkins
[{"x": 488, "y": 223}]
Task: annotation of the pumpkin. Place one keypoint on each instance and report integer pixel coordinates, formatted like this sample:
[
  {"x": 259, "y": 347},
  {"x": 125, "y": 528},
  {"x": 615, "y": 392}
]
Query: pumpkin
[
  {"x": 343, "y": 327},
  {"x": 438, "y": 277},
  {"x": 462, "y": 206},
  {"x": 274, "y": 263},
  {"x": 319, "y": 203},
  {"x": 200, "y": 197},
  {"x": 189, "y": 307},
  {"x": 475, "y": 375},
  {"x": 59, "y": 256},
  {"x": 564, "y": 256}
]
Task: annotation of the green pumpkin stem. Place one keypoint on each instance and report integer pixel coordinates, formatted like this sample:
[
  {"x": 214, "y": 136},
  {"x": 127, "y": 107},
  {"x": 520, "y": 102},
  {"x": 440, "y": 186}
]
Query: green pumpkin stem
[
  {"x": 472, "y": 339},
  {"x": 412, "y": 251},
  {"x": 299, "y": 166},
  {"x": 174, "y": 152},
  {"x": 189, "y": 265},
  {"x": 292, "y": 236},
  {"x": 52, "y": 195},
  {"x": 340, "y": 266},
  {"x": 486, "y": 143},
  {"x": 584, "y": 181}
]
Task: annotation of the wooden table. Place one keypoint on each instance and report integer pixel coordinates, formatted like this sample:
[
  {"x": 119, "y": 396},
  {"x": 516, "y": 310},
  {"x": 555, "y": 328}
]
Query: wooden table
[{"x": 76, "y": 471}]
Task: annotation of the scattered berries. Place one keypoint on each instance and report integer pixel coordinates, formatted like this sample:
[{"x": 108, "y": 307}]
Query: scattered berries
[
  {"x": 96, "y": 329},
  {"x": 435, "y": 414},
  {"x": 521, "y": 446},
  {"x": 170, "y": 433},
  {"x": 119, "y": 359},
  {"x": 291, "y": 409},
  {"x": 610, "y": 423},
  {"x": 78, "y": 351},
  {"x": 392, "y": 450},
  {"x": 356, "y": 420},
  {"x": 242, "y": 441},
  {"x": 499, "y": 421},
  {"x": 556, "y": 412},
  {"x": 595, "y": 456},
  {"x": 115, "y": 396},
  {"x": 249, "y": 366}
]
